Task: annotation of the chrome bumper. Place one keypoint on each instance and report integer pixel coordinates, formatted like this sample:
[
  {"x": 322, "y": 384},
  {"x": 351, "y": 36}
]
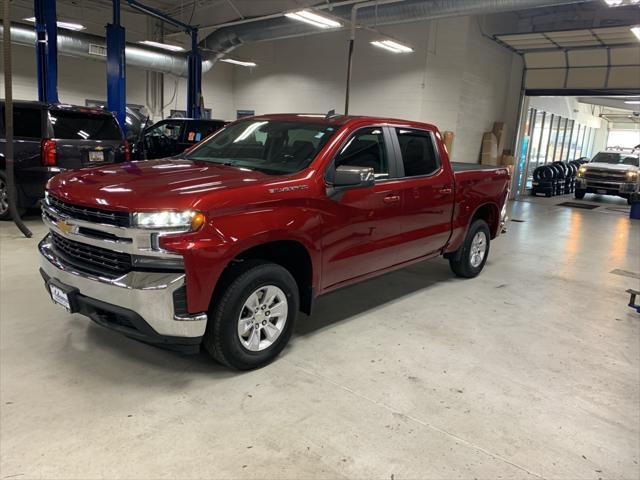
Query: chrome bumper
[
  {"x": 149, "y": 294},
  {"x": 622, "y": 187}
]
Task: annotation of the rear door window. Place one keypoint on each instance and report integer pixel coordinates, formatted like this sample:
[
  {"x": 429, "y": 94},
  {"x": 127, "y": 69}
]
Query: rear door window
[
  {"x": 418, "y": 152},
  {"x": 27, "y": 122},
  {"x": 84, "y": 126},
  {"x": 198, "y": 130}
]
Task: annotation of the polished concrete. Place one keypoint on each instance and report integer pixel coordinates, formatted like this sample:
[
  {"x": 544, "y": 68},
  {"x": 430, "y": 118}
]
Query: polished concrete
[{"x": 531, "y": 370}]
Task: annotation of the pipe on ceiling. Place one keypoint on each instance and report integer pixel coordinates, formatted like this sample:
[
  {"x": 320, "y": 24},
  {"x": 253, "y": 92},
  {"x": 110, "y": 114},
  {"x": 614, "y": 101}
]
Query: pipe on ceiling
[
  {"x": 92, "y": 47},
  {"x": 227, "y": 39}
]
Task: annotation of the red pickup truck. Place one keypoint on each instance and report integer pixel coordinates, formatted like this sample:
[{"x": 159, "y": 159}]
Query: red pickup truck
[{"x": 224, "y": 244}]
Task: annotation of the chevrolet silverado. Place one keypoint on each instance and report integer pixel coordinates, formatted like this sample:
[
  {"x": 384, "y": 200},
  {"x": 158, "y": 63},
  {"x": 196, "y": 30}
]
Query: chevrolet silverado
[{"x": 224, "y": 244}]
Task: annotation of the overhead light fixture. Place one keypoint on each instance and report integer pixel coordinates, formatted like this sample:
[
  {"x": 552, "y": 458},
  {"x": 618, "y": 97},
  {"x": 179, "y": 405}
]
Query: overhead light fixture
[
  {"x": 636, "y": 31},
  {"x": 313, "y": 19},
  {"x": 164, "y": 46},
  {"x": 392, "y": 46},
  {"x": 632, "y": 102},
  {"x": 239, "y": 62},
  {"x": 66, "y": 25},
  {"x": 621, "y": 3}
]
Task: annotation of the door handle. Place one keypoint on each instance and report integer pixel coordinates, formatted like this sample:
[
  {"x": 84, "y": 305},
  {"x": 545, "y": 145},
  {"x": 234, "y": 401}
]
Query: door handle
[
  {"x": 391, "y": 199},
  {"x": 446, "y": 190}
]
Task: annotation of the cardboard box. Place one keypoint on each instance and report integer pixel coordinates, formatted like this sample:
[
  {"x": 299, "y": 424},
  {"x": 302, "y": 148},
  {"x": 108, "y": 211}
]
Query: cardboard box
[
  {"x": 489, "y": 152},
  {"x": 507, "y": 160},
  {"x": 447, "y": 139},
  {"x": 500, "y": 131}
]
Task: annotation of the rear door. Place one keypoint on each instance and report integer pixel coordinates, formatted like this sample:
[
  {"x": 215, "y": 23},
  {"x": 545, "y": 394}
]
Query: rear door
[
  {"x": 427, "y": 191},
  {"x": 28, "y": 125},
  {"x": 85, "y": 139}
]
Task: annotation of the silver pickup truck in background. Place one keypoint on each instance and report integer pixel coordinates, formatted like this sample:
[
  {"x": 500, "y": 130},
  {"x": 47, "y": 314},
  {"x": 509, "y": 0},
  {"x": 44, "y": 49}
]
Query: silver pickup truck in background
[{"x": 612, "y": 172}]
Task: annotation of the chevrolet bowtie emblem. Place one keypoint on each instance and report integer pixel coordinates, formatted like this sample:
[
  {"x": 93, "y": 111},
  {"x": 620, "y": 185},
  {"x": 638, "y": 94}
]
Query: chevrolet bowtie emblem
[{"x": 66, "y": 227}]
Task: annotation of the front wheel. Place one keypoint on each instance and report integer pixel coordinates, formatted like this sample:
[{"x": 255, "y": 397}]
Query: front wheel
[
  {"x": 251, "y": 321},
  {"x": 469, "y": 260},
  {"x": 579, "y": 193}
]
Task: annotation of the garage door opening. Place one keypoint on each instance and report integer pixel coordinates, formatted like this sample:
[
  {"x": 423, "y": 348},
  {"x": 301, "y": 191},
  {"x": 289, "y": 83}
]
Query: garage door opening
[{"x": 564, "y": 128}]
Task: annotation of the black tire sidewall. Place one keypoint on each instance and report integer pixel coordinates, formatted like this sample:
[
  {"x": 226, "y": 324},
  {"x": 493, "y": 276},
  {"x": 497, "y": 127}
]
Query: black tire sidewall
[
  {"x": 477, "y": 226},
  {"x": 227, "y": 312},
  {"x": 461, "y": 266},
  {"x": 579, "y": 193}
]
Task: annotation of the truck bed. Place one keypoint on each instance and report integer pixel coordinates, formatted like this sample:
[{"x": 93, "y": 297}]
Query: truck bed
[{"x": 464, "y": 167}]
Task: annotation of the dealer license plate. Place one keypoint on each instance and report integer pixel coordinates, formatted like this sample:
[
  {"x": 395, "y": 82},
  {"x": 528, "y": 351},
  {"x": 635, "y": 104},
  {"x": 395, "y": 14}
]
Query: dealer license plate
[
  {"x": 59, "y": 297},
  {"x": 96, "y": 156}
]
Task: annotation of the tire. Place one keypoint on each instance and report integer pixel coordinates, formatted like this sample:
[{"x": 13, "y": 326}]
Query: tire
[
  {"x": 629, "y": 200},
  {"x": 579, "y": 193},
  {"x": 463, "y": 263},
  {"x": 223, "y": 339},
  {"x": 5, "y": 213}
]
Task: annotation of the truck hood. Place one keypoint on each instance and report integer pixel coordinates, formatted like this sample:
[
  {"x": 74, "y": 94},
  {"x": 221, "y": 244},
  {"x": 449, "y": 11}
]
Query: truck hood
[
  {"x": 150, "y": 184},
  {"x": 612, "y": 167}
]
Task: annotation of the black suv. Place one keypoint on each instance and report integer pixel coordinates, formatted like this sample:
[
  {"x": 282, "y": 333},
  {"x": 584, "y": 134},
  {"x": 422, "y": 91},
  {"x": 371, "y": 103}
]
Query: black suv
[
  {"x": 173, "y": 136},
  {"x": 50, "y": 138}
]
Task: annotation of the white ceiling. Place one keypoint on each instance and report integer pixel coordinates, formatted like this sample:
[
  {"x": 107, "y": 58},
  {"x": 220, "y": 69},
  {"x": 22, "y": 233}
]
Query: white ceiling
[{"x": 95, "y": 14}]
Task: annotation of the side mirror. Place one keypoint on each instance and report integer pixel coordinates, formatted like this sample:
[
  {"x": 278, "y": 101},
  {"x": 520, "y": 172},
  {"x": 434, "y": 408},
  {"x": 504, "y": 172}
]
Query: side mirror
[
  {"x": 346, "y": 177},
  {"x": 354, "y": 177}
]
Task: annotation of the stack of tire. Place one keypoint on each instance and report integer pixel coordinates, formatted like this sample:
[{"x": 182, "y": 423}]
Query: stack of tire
[{"x": 557, "y": 178}]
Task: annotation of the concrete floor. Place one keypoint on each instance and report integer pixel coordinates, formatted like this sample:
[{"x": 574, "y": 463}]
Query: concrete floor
[{"x": 530, "y": 370}]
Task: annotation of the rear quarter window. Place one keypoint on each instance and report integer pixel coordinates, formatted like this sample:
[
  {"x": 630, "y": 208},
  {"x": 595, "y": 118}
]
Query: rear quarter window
[
  {"x": 84, "y": 126},
  {"x": 27, "y": 122}
]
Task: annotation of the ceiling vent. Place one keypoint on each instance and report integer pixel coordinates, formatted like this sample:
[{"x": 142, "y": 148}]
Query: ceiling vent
[{"x": 98, "y": 50}]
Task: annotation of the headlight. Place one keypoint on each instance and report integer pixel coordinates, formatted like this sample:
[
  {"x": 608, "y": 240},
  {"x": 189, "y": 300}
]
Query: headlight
[
  {"x": 581, "y": 171},
  {"x": 189, "y": 220},
  {"x": 632, "y": 176}
]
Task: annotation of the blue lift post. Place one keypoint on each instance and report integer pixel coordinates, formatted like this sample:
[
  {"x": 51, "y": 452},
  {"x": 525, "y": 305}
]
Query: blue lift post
[
  {"x": 194, "y": 74},
  {"x": 116, "y": 78},
  {"x": 46, "y": 50}
]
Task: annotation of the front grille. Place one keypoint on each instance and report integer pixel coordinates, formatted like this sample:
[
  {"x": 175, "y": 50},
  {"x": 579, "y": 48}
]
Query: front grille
[
  {"x": 89, "y": 214},
  {"x": 605, "y": 175},
  {"x": 90, "y": 259}
]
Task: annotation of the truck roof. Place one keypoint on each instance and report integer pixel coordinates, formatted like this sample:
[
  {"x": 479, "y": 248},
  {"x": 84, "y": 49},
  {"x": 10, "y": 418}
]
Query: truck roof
[{"x": 338, "y": 119}]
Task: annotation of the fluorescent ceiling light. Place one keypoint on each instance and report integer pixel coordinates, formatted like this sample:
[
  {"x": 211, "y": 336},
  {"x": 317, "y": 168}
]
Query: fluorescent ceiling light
[
  {"x": 165, "y": 46},
  {"x": 632, "y": 102},
  {"x": 619, "y": 3},
  {"x": 238, "y": 62},
  {"x": 392, "y": 46},
  {"x": 636, "y": 31},
  {"x": 65, "y": 25},
  {"x": 313, "y": 19}
]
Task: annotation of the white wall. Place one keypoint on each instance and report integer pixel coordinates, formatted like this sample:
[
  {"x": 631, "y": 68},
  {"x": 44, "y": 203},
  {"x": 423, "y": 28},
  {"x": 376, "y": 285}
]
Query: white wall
[
  {"x": 457, "y": 79},
  {"x": 81, "y": 79}
]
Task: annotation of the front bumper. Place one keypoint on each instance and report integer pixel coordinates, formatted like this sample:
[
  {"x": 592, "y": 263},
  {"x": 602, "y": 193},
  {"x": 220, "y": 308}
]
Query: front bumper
[
  {"x": 139, "y": 304},
  {"x": 611, "y": 187}
]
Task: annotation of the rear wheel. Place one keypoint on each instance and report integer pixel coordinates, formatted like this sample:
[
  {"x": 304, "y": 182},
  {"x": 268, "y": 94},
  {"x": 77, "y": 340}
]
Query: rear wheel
[
  {"x": 469, "y": 261},
  {"x": 579, "y": 193},
  {"x": 251, "y": 321},
  {"x": 5, "y": 214}
]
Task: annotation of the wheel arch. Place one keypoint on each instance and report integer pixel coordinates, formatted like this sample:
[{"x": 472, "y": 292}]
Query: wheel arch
[{"x": 292, "y": 254}]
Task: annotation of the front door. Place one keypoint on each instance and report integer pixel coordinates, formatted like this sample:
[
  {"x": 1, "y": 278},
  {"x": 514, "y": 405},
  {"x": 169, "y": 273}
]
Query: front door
[{"x": 361, "y": 223}]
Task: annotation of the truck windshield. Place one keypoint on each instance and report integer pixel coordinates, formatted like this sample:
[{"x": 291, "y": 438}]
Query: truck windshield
[
  {"x": 615, "y": 158},
  {"x": 84, "y": 126},
  {"x": 269, "y": 146}
]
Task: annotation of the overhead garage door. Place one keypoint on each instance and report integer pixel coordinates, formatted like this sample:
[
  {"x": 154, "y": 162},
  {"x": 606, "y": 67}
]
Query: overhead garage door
[{"x": 591, "y": 59}]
